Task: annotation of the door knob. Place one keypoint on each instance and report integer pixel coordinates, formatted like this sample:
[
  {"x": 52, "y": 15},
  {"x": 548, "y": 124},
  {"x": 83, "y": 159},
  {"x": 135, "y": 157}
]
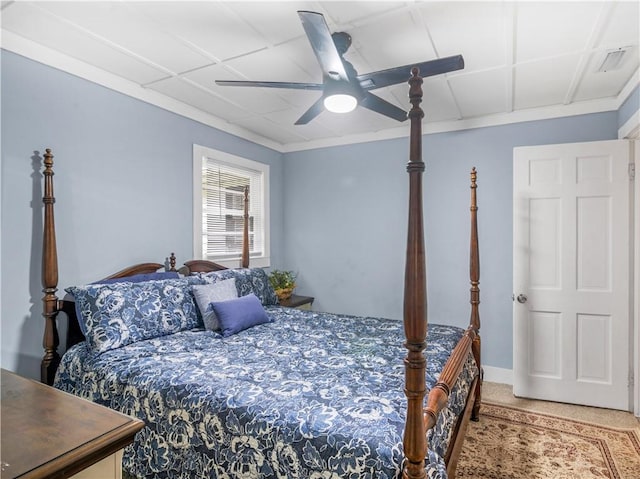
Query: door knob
[{"x": 522, "y": 298}]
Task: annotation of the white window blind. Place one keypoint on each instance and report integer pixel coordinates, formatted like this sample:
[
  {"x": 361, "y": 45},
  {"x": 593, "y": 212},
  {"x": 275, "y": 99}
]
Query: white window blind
[{"x": 223, "y": 179}]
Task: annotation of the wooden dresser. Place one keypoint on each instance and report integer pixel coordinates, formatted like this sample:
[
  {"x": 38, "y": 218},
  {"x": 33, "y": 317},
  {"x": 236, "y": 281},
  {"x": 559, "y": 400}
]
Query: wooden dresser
[{"x": 49, "y": 433}]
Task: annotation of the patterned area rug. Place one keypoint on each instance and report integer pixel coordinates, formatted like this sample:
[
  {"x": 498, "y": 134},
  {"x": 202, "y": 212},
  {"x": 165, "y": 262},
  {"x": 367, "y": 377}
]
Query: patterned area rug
[{"x": 510, "y": 443}]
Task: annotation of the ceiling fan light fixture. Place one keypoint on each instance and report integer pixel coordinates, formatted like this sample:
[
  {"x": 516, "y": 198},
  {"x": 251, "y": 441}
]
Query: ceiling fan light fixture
[{"x": 340, "y": 103}]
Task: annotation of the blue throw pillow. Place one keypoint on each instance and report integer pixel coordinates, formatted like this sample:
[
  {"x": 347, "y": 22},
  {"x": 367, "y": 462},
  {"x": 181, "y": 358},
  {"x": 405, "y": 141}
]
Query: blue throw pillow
[{"x": 238, "y": 314}]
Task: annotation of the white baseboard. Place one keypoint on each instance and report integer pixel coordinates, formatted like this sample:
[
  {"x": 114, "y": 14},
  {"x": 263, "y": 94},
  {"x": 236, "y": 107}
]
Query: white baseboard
[{"x": 498, "y": 375}]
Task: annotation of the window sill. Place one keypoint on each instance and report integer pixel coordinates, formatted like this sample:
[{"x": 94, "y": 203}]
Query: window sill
[{"x": 262, "y": 262}]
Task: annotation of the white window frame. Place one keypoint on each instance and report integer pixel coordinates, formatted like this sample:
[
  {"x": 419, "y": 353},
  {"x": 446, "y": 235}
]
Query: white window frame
[{"x": 201, "y": 154}]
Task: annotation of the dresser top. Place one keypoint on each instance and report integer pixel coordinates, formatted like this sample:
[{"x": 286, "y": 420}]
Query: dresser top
[{"x": 50, "y": 433}]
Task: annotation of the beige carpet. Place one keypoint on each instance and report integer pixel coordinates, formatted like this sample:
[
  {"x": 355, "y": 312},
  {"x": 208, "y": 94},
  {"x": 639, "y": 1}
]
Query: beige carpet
[{"x": 524, "y": 439}]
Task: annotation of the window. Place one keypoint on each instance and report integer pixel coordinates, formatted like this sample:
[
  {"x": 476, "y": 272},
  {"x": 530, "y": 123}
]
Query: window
[{"x": 219, "y": 183}]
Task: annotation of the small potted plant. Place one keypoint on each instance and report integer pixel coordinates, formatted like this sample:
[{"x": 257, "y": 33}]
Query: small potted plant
[{"x": 283, "y": 283}]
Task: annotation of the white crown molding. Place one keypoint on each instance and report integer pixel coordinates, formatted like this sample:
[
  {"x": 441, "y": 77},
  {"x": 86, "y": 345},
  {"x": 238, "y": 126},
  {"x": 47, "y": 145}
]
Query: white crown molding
[
  {"x": 498, "y": 119},
  {"x": 42, "y": 54}
]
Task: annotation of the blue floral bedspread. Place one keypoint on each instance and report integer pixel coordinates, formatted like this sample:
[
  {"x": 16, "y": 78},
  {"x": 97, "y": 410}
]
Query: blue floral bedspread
[{"x": 310, "y": 395}]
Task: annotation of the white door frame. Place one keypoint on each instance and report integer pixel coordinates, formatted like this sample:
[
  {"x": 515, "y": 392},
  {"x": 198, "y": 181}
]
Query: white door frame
[
  {"x": 636, "y": 283},
  {"x": 631, "y": 131}
]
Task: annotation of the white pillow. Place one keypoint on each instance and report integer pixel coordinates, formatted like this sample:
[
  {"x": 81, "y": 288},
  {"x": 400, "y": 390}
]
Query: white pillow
[{"x": 205, "y": 294}]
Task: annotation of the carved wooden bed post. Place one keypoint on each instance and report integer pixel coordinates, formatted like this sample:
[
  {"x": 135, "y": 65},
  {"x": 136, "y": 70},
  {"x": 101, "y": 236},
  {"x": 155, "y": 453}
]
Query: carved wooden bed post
[
  {"x": 50, "y": 341},
  {"x": 245, "y": 230},
  {"x": 474, "y": 275},
  {"x": 415, "y": 297}
]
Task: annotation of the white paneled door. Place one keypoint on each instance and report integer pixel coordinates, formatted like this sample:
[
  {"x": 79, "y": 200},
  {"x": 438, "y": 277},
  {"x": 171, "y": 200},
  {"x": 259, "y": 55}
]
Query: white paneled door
[{"x": 572, "y": 273}]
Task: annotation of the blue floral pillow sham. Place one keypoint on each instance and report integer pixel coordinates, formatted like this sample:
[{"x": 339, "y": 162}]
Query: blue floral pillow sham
[
  {"x": 118, "y": 314},
  {"x": 136, "y": 278},
  {"x": 248, "y": 280}
]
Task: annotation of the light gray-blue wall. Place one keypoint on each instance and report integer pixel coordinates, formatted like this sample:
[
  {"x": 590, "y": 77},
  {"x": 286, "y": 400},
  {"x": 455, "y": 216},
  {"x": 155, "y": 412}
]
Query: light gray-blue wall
[
  {"x": 123, "y": 189},
  {"x": 346, "y": 214}
]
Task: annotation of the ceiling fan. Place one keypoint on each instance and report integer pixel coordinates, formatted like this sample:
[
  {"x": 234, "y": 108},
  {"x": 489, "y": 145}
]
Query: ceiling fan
[{"x": 342, "y": 88}]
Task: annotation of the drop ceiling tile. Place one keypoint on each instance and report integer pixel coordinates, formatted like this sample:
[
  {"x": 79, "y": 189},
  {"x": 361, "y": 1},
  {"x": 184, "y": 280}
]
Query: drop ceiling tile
[
  {"x": 397, "y": 95},
  {"x": 316, "y": 130},
  {"x": 209, "y": 26},
  {"x": 320, "y": 127},
  {"x": 42, "y": 27},
  {"x": 392, "y": 41},
  {"x": 301, "y": 99},
  {"x": 481, "y": 93},
  {"x": 286, "y": 119},
  {"x": 623, "y": 27},
  {"x": 342, "y": 13},
  {"x": 545, "y": 82},
  {"x": 124, "y": 26},
  {"x": 277, "y": 22},
  {"x": 475, "y": 30},
  {"x": 289, "y": 116},
  {"x": 191, "y": 95},
  {"x": 273, "y": 64},
  {"x": 300, "y": 52},
  {"x": 546, "y": 29},
  {"x": 438, "y": 103},
  {"x": 595, "y": 84},
  {"x": 268, "y": 129}
]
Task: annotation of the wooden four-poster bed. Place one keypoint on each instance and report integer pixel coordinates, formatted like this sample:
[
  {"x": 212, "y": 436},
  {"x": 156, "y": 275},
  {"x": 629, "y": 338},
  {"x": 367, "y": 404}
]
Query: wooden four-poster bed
[{"x": 298, "y": 394}]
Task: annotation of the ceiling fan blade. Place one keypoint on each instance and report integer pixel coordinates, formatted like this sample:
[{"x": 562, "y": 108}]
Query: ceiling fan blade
[
  {"x": 393, "y": 76},
  {"x": 321, "y": 41},
  {"x": 377, "y": 104},
  {"x": 311, "y": 113},
  {"x": 271, "y": 84}
]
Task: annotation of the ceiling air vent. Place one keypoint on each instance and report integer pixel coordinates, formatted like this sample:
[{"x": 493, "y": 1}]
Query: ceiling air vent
[{"x": 612, "y": 60}]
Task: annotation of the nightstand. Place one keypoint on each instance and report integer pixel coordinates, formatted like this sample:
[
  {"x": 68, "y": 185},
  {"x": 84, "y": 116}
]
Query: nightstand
[
  {"x": 300, "y": 302},
  {"x": 48, "y": 433}
]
